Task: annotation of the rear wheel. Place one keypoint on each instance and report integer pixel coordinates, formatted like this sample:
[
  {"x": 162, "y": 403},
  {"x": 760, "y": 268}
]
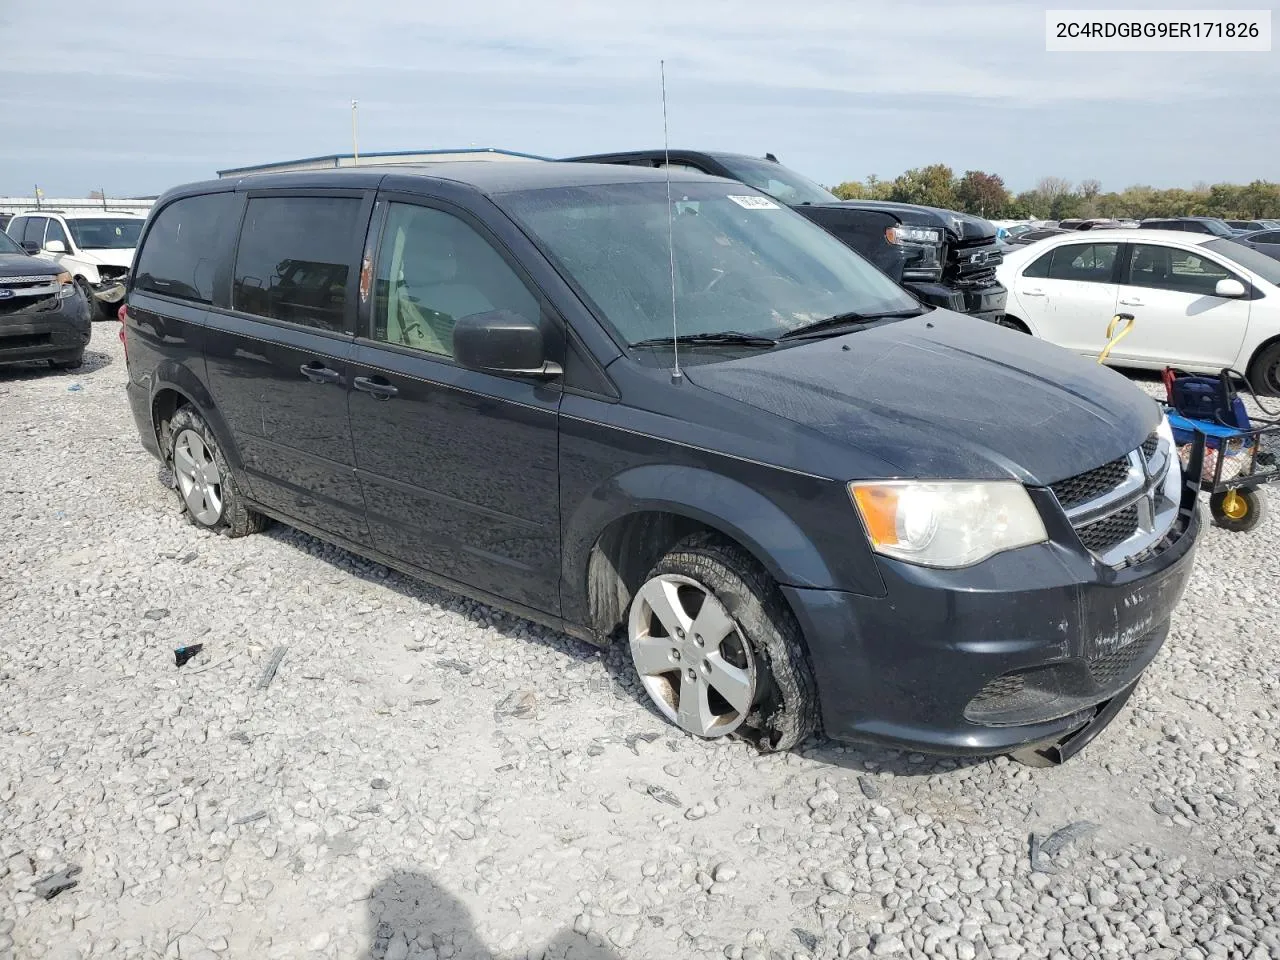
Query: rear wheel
[
  {"x": 718, "y": 650},
  {"x": 207, "y": 486},
  {"x": 1264, "y": 371}
]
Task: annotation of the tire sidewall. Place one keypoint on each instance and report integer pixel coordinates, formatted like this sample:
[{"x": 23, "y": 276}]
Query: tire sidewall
[
  {"x": 1264, "y": 374},
  {"x": 187, "y": 419},
  {"x": 785, "y": 711}
]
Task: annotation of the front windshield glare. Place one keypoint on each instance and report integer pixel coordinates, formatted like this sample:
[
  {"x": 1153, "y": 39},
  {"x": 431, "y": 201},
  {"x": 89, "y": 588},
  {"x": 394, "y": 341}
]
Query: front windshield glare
[
  {"x": 777, "y": 181},
  {"x": 742, "y": 261},
  {"x": 100, "y": 233}
]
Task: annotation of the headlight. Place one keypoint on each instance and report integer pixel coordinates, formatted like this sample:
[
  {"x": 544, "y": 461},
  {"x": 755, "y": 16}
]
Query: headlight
[
  {"x": 1165, "y": 431},
  {"x": 905, "y": 234},
  {"x": 66, "y": 286},
  {"x": 947, "y": 523}
]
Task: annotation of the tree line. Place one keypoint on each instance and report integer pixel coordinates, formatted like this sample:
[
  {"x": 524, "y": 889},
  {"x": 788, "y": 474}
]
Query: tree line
[{"x": 1054, "y": 198}]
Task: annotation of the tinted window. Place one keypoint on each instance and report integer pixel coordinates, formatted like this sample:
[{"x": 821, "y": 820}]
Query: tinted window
[
  {"x": 182, "y": 247},
  {"x": 1272, "y": 237},
  {"x": 9, "y": 245},
  {"x": 34, "y": 231},
  {"x": 434, "y": 269},
  {"x": 1040, "y": 267},
  {"x": 14, "y": 228},
  {"x": 1090, "y": 262},
  {"x": 55, "y": 232},
  {"x": 1170, "y": 268},
  {"x": 742, "y": 262},
  {"x": 293, "y": 262},
  {"x": 777, "y": 181}
]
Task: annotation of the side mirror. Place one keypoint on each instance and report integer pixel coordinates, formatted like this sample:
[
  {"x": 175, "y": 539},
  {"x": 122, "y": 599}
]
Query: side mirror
[
  {"x": 1229, "y": 287},
  {"x": 500, "y": 341},
  {"x": 55, "y": 246},
  {"x": 31, "y": 247}
]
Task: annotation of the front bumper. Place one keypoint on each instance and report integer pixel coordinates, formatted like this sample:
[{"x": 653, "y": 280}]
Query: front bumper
[
  {"x": 49, "y": 330},
  {"x": 1023, "y": 649},
  {"x": 986, "y": 303},
  {"x": 108, "y": 291}
]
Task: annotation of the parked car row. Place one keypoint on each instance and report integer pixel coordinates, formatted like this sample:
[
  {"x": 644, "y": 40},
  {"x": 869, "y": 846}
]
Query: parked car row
[
  {"x": 96, "y": 248},
  {"x": 1200, "y": 302},
  {"x": 610, "y": 397}
]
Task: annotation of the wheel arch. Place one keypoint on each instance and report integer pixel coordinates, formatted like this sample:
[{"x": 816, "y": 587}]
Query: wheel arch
[
  {"x": 1254, "y": 357},
  {"x": 175, "y": 386},
  {"x": 619, "y": 534}
]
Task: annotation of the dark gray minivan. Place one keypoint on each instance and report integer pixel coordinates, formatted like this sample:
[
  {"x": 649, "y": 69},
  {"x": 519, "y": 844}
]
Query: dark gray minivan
[{"x": 823, "y": 505}]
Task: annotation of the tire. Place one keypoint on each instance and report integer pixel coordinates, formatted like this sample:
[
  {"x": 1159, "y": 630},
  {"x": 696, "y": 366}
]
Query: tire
[
  {"x": 1012, "y": 323},
  {"x": 761, "y": 661},
  {"x": 68, "y": 363},
  {"x": 206, "y": 485},
  {"x": 1264, "y": 371},
  {"x": 1239, "y": 514}
]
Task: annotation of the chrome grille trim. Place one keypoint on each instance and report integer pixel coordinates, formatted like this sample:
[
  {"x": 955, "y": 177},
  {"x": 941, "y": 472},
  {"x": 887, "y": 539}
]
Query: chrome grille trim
[{"x": 44, "y": 278}]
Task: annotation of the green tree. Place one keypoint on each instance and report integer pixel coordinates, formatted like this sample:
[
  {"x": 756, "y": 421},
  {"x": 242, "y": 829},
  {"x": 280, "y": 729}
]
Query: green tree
[
  {"x": 873, "y": 188},
  {"x": 982, "y": 193},
  {"x": 932, "y": 186}
]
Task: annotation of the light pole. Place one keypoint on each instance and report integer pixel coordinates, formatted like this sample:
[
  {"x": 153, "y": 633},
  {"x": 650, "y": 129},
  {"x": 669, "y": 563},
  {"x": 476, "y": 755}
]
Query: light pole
[{"x": 355, "y": 144}]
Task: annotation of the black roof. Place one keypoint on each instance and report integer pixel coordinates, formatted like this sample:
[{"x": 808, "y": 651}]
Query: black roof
[
  {"x": 658, "y": 151},
  {"x": 488, "y": 177}
]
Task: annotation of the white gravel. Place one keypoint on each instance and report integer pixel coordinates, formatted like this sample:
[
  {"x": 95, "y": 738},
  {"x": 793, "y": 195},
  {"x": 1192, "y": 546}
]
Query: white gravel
[{"x": 386, "y": 796}]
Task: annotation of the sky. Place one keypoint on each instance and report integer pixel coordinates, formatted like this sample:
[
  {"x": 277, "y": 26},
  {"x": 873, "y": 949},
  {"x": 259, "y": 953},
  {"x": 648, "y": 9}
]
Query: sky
[{"x": 152, "y": 94}]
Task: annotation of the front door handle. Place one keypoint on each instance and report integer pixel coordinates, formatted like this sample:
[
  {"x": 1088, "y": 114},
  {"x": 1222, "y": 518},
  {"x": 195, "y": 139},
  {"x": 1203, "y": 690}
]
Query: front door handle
[
  {"x": 317, "y": 372},
  {"x": 1130, "y": 303},
  {"x": 1033, "y": 292},
  {"x": 379, "y": 388}
]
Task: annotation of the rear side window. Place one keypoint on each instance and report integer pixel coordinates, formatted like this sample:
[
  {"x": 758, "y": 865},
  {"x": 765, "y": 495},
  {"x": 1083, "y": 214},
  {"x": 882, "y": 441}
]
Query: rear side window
[
  {"x": 179, "y": 256},
  {"x": 1040, "y": 267},
  {"x": 1090, "y": 262},
  {"x": 34, "y": 232},
  {"x": 293, "y": 262},
  {"x": 15, "y": 227}
]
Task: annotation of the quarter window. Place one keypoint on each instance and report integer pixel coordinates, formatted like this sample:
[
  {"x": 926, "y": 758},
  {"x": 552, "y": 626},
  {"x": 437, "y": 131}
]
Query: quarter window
[
  {"x": 180, "y": 254},
  {"x": 434, "y": 269},
  {"x": 55, "y": 232},
  {"x": 34, "y": 232},
  {"x": 293, "y": 262},
  {"x": 1171, "y": 268}
]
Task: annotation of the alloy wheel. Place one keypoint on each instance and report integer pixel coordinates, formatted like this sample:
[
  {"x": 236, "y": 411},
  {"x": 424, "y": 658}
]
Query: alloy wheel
[
  {"x": 691, "y": 656},
  {"x": 199, "y": 480}
]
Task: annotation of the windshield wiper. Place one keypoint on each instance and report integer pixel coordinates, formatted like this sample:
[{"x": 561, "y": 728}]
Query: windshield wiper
[
  {"x": 852, "y": 318},
  {"x": 734, "y": 337}
]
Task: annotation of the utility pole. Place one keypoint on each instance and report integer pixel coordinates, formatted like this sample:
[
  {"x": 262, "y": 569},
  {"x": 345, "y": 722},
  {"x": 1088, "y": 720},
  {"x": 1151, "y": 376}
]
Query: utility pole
[{"x": 355, "y": 143}]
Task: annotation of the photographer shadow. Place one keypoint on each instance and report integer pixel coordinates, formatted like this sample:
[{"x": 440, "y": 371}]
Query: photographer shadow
[{"x": 413, "y": 918}]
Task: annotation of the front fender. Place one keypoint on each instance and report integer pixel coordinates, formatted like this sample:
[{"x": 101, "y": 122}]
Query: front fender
[{"x": 722, "y": 503}]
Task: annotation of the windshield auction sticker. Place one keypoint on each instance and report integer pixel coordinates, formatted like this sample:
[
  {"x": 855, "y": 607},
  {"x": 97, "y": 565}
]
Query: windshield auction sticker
[
  {"x": 1174, "y": 31},
  {"x": 754, "y": 203}
]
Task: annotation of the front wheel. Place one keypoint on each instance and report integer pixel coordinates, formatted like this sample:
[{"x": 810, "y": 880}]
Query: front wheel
[
  {"x": 717, "y": 649},
  {"x": 1264, "y": 371},
  {"x": 207, "y": 487},
  {"x": 1238, "y": 510}
]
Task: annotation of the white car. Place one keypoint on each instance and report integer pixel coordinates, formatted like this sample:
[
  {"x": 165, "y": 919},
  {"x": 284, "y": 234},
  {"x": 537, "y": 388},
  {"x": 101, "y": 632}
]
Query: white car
[
  {"x": 95, "y": 247},
  {"x": 1200, "y": 303}
]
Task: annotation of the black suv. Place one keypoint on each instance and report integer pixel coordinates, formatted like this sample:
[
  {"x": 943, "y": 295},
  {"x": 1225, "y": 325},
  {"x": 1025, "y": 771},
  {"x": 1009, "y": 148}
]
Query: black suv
[
  {"x": 43, "y": 315},
  {"x": 825, "y": 504},
  {"x": 947, "y": 259}
]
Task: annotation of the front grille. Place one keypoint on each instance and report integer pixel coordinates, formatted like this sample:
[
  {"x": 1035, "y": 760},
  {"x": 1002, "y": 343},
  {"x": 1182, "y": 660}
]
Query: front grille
[
  {"x": 1150, "y": 445},
  {"x": 1000, "y": 690},
  {"x": 22, "y": 340},
  {"x": 1101, "y": 535},
  {"x": 1091, "y": 484},
  {"x": 974, "y": 265},
  {"x": 18, "y": 304}
]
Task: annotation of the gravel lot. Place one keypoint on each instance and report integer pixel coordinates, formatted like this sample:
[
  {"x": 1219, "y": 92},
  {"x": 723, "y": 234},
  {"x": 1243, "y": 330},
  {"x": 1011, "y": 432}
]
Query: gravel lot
[{"x": 427, "y": 778}]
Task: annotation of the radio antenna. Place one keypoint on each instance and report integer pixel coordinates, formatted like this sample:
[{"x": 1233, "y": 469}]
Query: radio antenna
[{"x": 676, "y": 375}]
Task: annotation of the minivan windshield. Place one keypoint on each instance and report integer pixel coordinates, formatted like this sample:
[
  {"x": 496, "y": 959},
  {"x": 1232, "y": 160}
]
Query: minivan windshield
[
  {"x": 1266, "y": 267},
  {"x": 777, "y": 181},
  {"x": 742, "y": 262},
  {"x": 105, "y": 233}
]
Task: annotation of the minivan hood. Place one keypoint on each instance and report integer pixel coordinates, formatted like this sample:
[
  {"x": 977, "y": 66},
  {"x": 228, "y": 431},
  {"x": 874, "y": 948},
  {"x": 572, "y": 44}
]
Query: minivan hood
[
  {"x": 110, "y": 258},
  {"x": 944, "y": 396},
  {"x": 958, "y": 227}
]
